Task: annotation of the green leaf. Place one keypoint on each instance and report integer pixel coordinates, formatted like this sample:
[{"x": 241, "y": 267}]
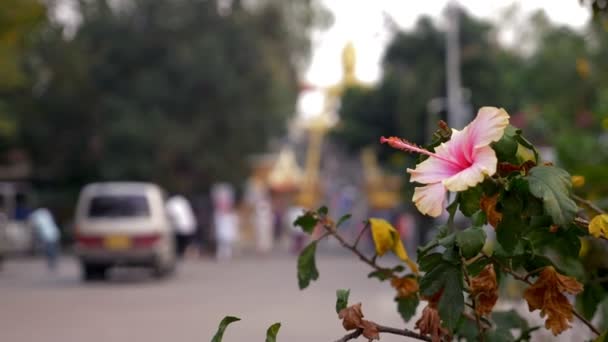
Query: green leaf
[
  {"x": 479, "y": 219},
  {"x": 509, "y": 320},
  {"x": 553, "y": 186},
  {"x": 271, "y": 333},
  {"x": 477, "y": 266},
  {"x": 452, "y": 255},
  {"x": 342, "y": 299},
  {"x": 383, "y": 275},
  {"x": 470, "y": 241},
  {"x": 526, "y": 335},
  {"x": 604, "y": 310},
  {"x": 466, "y": 330},
  {"x": 323, "y": 211},
  {"x": 451, "y": 303},
  {"x": 343, "y": 219},
  {"x": 452, "y": 210},
  {"x": 407, "y": 306},
  {"x": 469, "y": 200},
  {"x": 434, "y": 280},
  {"x": 506, "y": 147},
  {"x": 307, "y": 222},
  {"x": 447, "y": 241},
  {"x": 307, "y": 268},
  {"x": 499, "y": 335},
  {"x": 602, "y": 338},
  {"x": 429, "y": 262},
  {"x": 222, "y": 327},
  {"x": 589, "y": 300},
  {"x": 510, "y": 231}
]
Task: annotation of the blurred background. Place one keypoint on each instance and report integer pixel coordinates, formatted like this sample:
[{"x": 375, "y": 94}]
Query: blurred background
[{"x": 211, "y": 124}]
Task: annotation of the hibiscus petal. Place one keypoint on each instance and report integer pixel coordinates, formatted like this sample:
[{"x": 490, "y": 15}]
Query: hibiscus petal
[
  {"x": 430, "y": 199},
  {"x": 459, "y": 149},
  {"x": 488, "y": 126},
  {"x": 484, "y": 164},
  {"x": 432, "y": 170}
]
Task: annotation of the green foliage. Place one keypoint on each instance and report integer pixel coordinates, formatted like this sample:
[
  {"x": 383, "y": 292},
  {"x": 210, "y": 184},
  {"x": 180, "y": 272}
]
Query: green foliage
[
  {"x": 271, "y": 333},
  {"x": 343, "y": 219},
  {"x": 407, "y": 307},
  {"x": 307, "y": 222},
  {"x": 470, "y": 241},
  {"x": 222, "y": 327},
  {"x": 602, "y": 338},
  {"x": 604, "y": 312},
  {"x": 553, "y": 186},
  {"x": 307, "y": 268},
  {"x": 451, "y": 303},
  {"x": 468, "y": 200},
  {"x": 385, "y": 274},
  {"x": 181, "y": 100},
  {"x": 341, "y": 299},
  {"x": 506, "y": 147}
]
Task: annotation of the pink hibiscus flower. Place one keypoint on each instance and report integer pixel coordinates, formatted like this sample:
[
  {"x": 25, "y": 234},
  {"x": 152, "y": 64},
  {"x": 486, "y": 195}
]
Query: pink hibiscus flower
[{"x": 458, "y": 164}]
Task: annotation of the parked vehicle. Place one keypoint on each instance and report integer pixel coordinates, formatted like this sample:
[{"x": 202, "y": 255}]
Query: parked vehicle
[{"x": 123, "y": 223}]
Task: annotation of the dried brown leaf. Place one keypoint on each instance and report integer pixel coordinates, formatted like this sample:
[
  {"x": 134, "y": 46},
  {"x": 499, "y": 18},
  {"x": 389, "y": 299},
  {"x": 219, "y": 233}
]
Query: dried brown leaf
[
  {"x": 351, "y": 316},
  {"x": 405, "y": 286},
  {"x": 546, "y": 294},
  {"x": 370, "y": 330},
  {"x": 488, "y": 205},
  {"x": 484, "y": 288},
  {"x": 430, "y": 324}
]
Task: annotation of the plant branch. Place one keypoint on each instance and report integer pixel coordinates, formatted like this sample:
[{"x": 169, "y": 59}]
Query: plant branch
[
  {"x": 584, "y": 223},
  {"x": 525, "y": 280},
  {"x": 386, "y": 330},
  {"x": 589, "y": 204},
  {"x": 480, "y": 329},
  {"x": 361, "y": 235},
  {"x": 352, "y": 248}
]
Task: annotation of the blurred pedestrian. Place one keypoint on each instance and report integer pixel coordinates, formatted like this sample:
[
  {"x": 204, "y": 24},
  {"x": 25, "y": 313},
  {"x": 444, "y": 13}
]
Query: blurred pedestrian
[
  {"x": 258, "y": 198},
  {"x": 225, "y": 220},
  {"x": 184, "y": 222},
  {"x": 298, "y": 236},
  {"x": 48, "y": 233}
]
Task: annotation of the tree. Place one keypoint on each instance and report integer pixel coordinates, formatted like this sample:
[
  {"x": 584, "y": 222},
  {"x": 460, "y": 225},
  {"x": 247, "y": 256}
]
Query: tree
[{"x": 169, "y": 91}]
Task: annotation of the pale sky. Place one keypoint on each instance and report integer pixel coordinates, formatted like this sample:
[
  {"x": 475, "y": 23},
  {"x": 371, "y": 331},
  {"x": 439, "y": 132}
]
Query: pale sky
[{"x": 363, "y": 23}]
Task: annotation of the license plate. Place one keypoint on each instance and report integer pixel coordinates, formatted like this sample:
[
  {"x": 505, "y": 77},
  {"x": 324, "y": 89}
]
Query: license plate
[{"x": 117, "y": 242}]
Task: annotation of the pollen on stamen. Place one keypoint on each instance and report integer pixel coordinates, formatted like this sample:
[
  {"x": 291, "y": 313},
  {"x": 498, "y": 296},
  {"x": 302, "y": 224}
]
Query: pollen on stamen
[{"x": 401, "y": 144}]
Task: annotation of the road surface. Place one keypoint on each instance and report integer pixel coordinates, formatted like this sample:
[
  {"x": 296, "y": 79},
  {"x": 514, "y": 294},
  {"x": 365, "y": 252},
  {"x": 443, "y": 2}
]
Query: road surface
[
  {"x": 39, "y": 306},
  {"x": 36, "y": 305}
]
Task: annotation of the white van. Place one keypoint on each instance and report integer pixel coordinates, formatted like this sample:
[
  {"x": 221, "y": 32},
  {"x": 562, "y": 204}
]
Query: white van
[{"x": 123, "y": 223}]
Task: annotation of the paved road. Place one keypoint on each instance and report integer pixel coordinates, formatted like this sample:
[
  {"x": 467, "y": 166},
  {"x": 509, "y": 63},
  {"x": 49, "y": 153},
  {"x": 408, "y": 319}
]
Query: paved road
[{"x": 38, "y": 306}]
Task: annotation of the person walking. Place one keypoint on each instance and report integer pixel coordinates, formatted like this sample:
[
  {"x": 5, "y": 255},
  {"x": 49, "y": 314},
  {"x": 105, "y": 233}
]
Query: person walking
[
  {"x": 47, "y": 231},
  {"x": 184, "y": 222}
]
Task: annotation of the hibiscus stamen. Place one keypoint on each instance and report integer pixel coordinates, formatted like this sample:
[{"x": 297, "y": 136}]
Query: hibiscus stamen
[{"x": 404, "y": 145}]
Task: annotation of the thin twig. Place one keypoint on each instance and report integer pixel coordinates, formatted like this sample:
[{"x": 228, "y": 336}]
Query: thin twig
[
  {"x": 584, "y": 224},
  {"x": 532, "y": 273},
  {"x": 472, "y": 318},
  {"x": 365, "y": 228},
  {"x": 525, "y": 280},
  {"x": 589, "y": 204},
  {"x": 370, "y": 262},
  {"x": 587, "y": 323},
  {"x": 351, "y": 336},
  {"x": 386, "y": 330}
]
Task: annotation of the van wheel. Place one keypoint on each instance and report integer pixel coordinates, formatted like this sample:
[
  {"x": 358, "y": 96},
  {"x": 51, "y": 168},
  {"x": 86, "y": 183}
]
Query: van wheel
[
  {"x": 159, "y": 270},
  {"x": 92, "y": 272}
]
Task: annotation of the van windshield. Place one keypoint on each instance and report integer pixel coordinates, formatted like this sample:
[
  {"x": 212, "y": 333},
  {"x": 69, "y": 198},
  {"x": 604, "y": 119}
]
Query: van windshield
[{"x": 119, "y": 206}]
